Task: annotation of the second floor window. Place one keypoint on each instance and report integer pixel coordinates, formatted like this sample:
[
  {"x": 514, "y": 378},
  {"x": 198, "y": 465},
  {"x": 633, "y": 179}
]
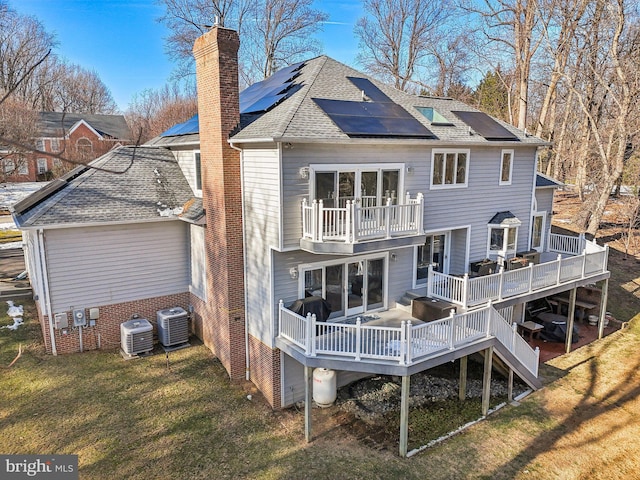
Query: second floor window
[
  {"x": 55, "y": 145},
  {"x": 40, "y": 144},
  {"x": 506, "y": 166},
  {"x": 449, "y": 168}
]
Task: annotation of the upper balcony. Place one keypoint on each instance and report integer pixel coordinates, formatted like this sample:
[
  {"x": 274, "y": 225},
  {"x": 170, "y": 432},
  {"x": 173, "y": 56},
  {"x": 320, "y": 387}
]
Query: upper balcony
[
  {"x": 359, "y": 225},
  {"x": 572, "y": 261}
]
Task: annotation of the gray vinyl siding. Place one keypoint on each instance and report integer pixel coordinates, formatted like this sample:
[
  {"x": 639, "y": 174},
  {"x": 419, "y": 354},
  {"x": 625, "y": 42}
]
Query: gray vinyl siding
[
  {"x": 261, "y": 196},
  {"x": 544, "y": 201},
  {"x": 33, "y": 266},
  {"x": 261, "y": 210},
  {"x": 186, "y": 160},
  {"x": 293, "y": 386},
  {"x": 94, "y": 266},
  {"x": 445, "y": 208}
]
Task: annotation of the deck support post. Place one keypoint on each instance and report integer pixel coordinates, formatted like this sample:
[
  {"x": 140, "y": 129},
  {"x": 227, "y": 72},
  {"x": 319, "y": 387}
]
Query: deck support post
[
  {"x": 570, "y": 318},
  {"x": 486, "y": 380},
  {"x": 308, "y": 399},
  {"x": 603, "y": 307},
  {"x": 462, "y": 389},
  {"x": 404, "y": 416},
  {"x": 510, "y": 386}
]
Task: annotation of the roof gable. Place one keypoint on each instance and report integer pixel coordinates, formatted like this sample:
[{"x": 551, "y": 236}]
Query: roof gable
[{"x": 59, "y": 124}]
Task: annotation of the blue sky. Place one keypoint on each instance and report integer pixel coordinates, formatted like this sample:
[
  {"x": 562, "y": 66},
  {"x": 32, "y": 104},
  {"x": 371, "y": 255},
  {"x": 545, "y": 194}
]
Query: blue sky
[{"x": 122, "y": 41}]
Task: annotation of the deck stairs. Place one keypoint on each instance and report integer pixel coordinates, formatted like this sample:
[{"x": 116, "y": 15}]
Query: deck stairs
[{"x": 405, "y": 301}]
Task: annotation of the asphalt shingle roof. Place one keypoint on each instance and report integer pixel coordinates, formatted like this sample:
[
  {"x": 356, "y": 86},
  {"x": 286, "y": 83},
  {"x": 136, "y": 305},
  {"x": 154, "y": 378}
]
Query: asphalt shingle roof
[
  {"x": 57, "y": 124},
  {"x": 151, "y": 187},
  {"x": 298, "y": 117},
  {"x": 542, "y": 181}
]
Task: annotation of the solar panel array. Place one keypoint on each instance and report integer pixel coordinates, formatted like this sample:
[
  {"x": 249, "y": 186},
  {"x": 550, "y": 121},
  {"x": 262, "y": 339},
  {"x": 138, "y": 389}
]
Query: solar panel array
[
  {"x": 185, "y": 128},
  {"x": 378, "y": 117},
  {"x": 47, "y": 191},
  {"x": 485, "y": 126},
  {"x": 262, "y": 96}
]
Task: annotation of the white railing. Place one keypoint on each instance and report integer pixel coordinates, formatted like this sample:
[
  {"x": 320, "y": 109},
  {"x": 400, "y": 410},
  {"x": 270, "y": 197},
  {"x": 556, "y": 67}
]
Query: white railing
[
  {"x": 468, "y": 292},
  {"x": 567, "y": 244},
  {"x": 407, "y": 344},
  {"x": 360, "y": 220}
]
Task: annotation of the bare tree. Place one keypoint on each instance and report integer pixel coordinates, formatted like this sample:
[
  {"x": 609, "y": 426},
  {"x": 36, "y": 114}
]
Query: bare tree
[
  {"x": 19, "y": 122},
  {"x": 609, "y": 103},
  {"x": 396, "y": 35},
  {"x": 23, "y": 44},
  {"x": 283, "y": 30},
  {"x": 81, "y": 91},
  {"x": 152, "y": 112},
  {"x": 26, "y": 65},
  {"x": 512, "y": 29},
  {"x": 274, "y": 33}
]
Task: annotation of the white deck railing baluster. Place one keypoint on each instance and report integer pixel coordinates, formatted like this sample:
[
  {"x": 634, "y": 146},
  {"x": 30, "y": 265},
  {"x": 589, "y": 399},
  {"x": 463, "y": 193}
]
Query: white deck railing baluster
[{"x": 359, "y": 220}]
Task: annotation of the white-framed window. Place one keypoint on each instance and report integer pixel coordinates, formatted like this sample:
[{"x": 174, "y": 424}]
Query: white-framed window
[
  {"x": 55, "y": 145},
  {"x": 40, "y": 144},
  {"x": 23, "y": 166},
  {"x": 449, "y": 168},
  {"x": 42, "y": 166},
  {"x": 506, "y": 167},
  {"x": 9, "y": 165},
  {"x": 538, "y": 230},
  {"x": 197, "y": 168}
]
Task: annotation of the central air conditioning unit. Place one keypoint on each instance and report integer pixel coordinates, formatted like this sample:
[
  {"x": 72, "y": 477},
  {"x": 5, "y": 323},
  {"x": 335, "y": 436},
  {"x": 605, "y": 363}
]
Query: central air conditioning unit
[
  {"x": 173, "y": 326},
  {"x": 136, "y": 336}
]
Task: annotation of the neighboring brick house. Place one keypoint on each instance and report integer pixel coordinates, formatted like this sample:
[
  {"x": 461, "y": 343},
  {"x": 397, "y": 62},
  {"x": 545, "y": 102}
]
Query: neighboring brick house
[
  {"x": 317, "y": 183},
  {"x": 77, "y": 136}
]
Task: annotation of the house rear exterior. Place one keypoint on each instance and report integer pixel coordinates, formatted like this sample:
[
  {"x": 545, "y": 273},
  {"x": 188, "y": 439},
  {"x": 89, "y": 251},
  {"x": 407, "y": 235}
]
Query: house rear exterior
[{"x": 324, "y": 188}]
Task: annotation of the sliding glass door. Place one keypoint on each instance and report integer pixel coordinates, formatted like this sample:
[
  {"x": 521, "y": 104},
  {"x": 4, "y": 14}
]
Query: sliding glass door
[{"x": 351, "y": 288}]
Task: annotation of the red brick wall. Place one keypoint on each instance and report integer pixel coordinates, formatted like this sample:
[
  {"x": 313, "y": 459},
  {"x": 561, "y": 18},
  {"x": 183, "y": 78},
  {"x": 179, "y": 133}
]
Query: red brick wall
[
  {"x": 221, "y": 318},
  {"x": 265, "y": 370},
  {"x": 106, "y": 332},
  {"x": 67, "y": 149}
]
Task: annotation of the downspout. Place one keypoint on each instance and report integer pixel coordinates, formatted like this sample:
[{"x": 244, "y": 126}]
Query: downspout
[
  {"x": 247, "y": 374},
  {"x": 45, "y": 289}
]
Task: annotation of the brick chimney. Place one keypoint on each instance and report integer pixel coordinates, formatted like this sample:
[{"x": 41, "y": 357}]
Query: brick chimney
[{"x": 221, "y": 320}]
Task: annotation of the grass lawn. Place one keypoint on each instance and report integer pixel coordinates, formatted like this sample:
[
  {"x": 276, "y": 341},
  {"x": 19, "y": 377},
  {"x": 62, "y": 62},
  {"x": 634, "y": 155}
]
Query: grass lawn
[{"x": 144, "y": 419}]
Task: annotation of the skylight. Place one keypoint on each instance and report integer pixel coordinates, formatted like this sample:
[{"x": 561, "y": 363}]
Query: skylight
[{"x": 433, "y": 116}]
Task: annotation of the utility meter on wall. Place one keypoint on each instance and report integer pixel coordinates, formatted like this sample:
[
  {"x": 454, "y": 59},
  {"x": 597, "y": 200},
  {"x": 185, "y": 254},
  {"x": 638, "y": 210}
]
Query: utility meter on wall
[{"x": 79, "y": 318}]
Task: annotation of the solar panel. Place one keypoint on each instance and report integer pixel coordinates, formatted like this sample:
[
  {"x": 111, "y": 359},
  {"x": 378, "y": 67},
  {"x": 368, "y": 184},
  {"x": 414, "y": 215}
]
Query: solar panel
[
  {"x": 485, "y": 126},
  {"x": 184, "y": 128},
  {"x": 371, "y": 119},
  {"x": 370, "y": 90},
  {"x": 47, "y": 191},
  {"x": 264, "y": 95}
]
